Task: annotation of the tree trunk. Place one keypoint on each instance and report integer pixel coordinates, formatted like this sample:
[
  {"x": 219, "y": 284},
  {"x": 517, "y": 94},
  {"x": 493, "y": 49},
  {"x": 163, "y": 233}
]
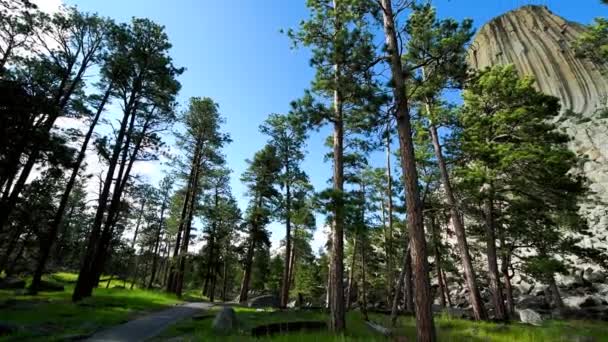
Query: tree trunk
[
  {"x": 84, "y": 284},
  {"x": 389, "y": 239},
  {"x": 505, "y": 262},
  {"x": 337, "y": 322},
  {"x": 225, "y": 281},
  {"x": 425, "y": 326},
  {"x": 479, "y": 311},
  {"x": 286, "y": 269},
  {"x": 247, "y": 275},
  {"x": 182, "y": 221},
  {"x": 363, "y": 280},
  {"x": 557, "y": 298},
  {"x": 351, "y": 276},
  {"x": 157, "y": 243},
  {"x": 495, "y": 286},
  {"x": 45, "y": 248},
  {"x": 447, "y": 288}
]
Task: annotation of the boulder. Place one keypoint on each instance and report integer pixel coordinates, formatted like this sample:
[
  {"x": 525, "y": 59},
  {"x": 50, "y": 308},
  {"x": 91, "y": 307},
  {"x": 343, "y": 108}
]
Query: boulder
[
  {"x": 533, "y": 302},
  {"x": 529, "y": 316},
  {"x": 225, "y": 321},
  {"x": 601, "y": 288},
  {"x": 12, "y": 283},
  {"x": 291, "y": 304},
  {"x": 591, "y": 301},
  {"x": 267, "y": 301},
  {"x": 596, "y": 277}
]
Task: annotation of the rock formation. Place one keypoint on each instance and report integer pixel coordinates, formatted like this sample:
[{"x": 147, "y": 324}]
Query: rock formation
[{"x": 540, "y": 43}]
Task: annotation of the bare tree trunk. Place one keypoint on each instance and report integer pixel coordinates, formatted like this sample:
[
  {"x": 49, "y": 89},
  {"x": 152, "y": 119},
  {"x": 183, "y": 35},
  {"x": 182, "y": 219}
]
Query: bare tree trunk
[
  {"x": 479, "y": 311},
  {"x": 425, "y": 326},
  {"x": 84, "y": 284},
  {"x": 45, "y": 247},
  {"x": 351, "y": 276},
  {"x": 495, "y": 286},
  {"x": 363, "y": 291},
  {"x": 389, "y": 195},
  {"x": 286, "y": 269},
  {"x": 447, "y": 289},
  {"x": 225, "y": 281},
  {"x": 557, "y": 298},
  {"x": 247, "y": 275}
]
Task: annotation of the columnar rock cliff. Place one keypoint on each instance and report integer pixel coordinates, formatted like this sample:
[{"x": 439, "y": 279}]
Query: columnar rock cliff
[{"x": 540, "y": 43}]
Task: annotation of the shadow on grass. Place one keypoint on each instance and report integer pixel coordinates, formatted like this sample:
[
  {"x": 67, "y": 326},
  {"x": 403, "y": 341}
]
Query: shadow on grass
[{"x": 51, "y": 316}]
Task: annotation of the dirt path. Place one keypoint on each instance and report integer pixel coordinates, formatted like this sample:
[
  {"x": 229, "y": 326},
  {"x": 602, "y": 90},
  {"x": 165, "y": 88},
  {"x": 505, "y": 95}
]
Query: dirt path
[{"x": 149, "y": 326}]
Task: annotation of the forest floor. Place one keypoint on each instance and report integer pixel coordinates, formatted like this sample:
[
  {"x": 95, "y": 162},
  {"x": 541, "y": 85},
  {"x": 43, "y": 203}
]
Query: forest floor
[
  {"x": 448, "y": 329},
  {"x": 51, "y": 316}
]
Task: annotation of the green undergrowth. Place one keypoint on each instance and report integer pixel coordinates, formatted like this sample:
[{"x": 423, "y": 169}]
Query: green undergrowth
[
  {"x": 51, "y": 316},
  {"x": 448, "y": 329}
]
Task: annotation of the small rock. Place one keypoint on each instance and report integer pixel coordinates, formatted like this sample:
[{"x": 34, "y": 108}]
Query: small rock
[
  {"x": 225, "y": 321},
  {"x": 529, "y": 316}
]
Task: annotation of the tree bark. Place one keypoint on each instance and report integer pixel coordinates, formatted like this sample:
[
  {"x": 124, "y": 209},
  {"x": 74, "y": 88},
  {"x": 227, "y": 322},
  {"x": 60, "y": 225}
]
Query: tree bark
[
  {"x": 495, "y": 286},
  {"x": 557, "y": 298},
  {"x": 84, "y": 285},
  {"x": 389, "y": 239},
  {"x": 363, "y": 280},
  {"x": 286, "y": 270},
  {"x": 425, "y": 326},
  {"x": 247, "y": 275},
  {"x": 182, "y": 220},
  {"x": 45, "y": 248},
  {"x": 479, "y": 311},
  {"x": 351, "y": 276}
]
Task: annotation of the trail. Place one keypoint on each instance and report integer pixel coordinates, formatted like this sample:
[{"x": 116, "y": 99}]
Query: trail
[{"x": 149, "y": 326}]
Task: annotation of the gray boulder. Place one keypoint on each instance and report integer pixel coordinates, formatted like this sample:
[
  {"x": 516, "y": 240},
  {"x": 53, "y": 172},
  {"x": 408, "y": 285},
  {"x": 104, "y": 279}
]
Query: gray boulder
[
  {"x": 533, "y": 302},
  {"x": 267, "y": 301},
  {"x": 591, "y": 301},
  {"x": 12, "y": 283},
  {"x": 225, "y": 321},
  {"x": 529, "y": 316}
]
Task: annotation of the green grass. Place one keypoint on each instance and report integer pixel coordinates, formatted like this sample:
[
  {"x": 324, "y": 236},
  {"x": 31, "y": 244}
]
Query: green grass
[
  {"x": 448, "y": 329},
  {"x": 51, "y": 316}
]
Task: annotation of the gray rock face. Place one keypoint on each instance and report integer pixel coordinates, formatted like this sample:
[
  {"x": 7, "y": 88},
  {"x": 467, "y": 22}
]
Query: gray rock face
[
  {"x": 225, "y": 321},
  {"x": 530, "y": 316},
  {"x": 541, "y": 44},
  {"x": 267, "y": 301}
]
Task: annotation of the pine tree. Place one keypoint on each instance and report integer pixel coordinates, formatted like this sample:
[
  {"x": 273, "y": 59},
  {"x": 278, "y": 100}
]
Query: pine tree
[
  {"x": 260, "y": 178},
  {"x": 512, "y": 155},
  {"x": 288, "y": 135},
  {"x": 343, "y": 53}
]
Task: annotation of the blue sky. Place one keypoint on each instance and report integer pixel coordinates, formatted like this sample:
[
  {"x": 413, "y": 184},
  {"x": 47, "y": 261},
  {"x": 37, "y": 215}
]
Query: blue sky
[{"x": 234, "y": 53}]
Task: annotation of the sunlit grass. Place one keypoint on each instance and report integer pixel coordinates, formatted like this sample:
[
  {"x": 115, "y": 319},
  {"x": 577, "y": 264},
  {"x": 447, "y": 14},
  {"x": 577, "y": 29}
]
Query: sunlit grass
[
  {"x": 51, "y": 316},
  {"x": 448, "y": 329}
]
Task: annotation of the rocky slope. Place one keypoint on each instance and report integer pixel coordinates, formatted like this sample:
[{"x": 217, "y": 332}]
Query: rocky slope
[{"x": 540, "y": 43}]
